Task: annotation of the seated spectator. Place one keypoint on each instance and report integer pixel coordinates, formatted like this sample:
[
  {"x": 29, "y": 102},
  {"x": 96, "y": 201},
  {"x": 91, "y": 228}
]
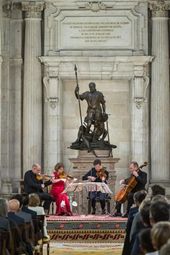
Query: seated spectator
[
  {"x": 141, "y": 221},
  {"x": 159, "y": 211},
  {"x": 157, "y": 190},
  {"x": 26, "y": 209},
  {"x": 145, "y": 241},
  {"x": 34, "y": 204},
  {"x": 160, "y": 233},
  {"x": 26, "y": 216},
  {"x": 138, "y": 197},
  {"x": 18, "y": 223},
  {"x": 13, "y": 206},
  {"x": 4, "y": 223}
]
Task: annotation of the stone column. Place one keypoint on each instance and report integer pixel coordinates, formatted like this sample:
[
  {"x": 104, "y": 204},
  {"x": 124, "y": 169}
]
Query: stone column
[
  {"x": 15, "y": 94},
  {"x": 160, "y": 105},
  {"x": 32, "y": 91},
  {"x": 5, "y": 99},
  {"x": 52, "y": 117},
  {"x": 139, "y": 118}
]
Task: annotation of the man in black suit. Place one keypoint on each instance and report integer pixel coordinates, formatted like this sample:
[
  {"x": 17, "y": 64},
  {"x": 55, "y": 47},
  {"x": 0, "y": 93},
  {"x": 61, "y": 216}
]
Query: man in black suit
[
  {"x": 141, "y": 179},
  {"x": 33, "y": 183}
]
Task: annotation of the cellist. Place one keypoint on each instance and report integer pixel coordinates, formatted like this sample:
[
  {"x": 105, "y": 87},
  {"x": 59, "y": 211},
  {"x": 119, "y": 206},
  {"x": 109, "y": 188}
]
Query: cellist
[{"x": 141, "y": 180}]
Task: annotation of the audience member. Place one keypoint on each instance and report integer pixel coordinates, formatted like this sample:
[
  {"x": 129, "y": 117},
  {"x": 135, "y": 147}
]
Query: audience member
[
  {"x": 141, "y": 221},
  {"x": 138, "y": 197},
  {"x": 26, "y": 216},
  {"x": 18, "y": 223},
  {"x": 34, "y": 204},
  {"x": 165, "y": 249},
  {"x": 159, "y": 211},
  {"x": 160, "y": 233},
  {"x": 146, "y": 247},
  {"x": 4, "y": 223},
  {"x": 157, "y": 190}
]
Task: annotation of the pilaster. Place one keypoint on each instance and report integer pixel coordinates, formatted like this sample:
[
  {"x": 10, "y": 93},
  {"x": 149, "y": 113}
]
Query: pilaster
[
  {"x": 52, "y": 117},
  {"x": 32, "y": 92},
  {"x": 160, "y": 98},
  {"x": 139, "y": 114}
]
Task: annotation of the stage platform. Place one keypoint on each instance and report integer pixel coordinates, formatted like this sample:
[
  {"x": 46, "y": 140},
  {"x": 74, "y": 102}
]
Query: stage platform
[{"x": 86, "y": 228}]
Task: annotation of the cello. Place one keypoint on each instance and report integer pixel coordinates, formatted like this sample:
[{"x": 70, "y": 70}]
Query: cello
[{"x": 122, "y": 194}]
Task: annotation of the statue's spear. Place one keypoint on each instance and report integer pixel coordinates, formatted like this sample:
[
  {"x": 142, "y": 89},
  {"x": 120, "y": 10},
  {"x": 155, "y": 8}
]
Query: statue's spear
[{"x": 75, "y": 69}]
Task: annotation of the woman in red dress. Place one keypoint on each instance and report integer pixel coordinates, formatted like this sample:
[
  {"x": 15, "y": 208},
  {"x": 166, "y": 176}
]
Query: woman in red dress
[{"x": 59, "y": 182}]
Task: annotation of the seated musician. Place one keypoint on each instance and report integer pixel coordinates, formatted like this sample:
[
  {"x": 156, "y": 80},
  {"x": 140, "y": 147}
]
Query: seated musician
[
  {"x": 97, "y": 174},
  {"x": 59, "y": 182},
  {"x": 141, "y": 180},
  {"x": 34, "y": 183}
]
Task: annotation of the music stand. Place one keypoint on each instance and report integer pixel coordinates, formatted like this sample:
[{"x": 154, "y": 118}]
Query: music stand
[{"x": 88, "y": 186}]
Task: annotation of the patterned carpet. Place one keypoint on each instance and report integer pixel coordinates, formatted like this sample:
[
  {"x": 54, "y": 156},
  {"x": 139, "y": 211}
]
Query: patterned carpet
[
  {"x": 85, "y": 249},
  {"x": 86, "y": 228}
]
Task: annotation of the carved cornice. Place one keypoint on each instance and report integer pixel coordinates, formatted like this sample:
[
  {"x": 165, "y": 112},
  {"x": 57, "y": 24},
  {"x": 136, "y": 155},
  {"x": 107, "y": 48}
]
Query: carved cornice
[
  {"x": 94, "y": 6},
  {"x": 159, "y": 8},
  {"x": 33, "y": 9}
]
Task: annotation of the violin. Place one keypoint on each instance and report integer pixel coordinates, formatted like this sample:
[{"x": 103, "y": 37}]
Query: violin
[
  {"x": 101, "y": 173},
  {"x": 45, "y": 177},
  {"x": 65, "y": 176},
  {"x": 122, "y": 194}
]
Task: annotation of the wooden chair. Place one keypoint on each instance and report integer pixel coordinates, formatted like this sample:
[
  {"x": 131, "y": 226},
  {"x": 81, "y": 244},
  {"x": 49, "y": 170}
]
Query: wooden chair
[
  {"x": 4, "y": 242},
  {"x": 42, "y": 242}
]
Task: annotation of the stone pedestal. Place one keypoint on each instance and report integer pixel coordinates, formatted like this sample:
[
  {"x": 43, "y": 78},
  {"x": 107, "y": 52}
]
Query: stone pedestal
[{"x": 82, "y": 164}]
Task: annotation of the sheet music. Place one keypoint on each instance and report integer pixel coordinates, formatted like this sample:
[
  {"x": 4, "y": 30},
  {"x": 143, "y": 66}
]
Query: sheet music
[{"x": 89, "y": 186}]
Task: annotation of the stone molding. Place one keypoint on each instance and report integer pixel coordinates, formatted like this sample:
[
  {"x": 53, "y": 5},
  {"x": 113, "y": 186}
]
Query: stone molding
[
  {"x": 137, "y": 73},
  {"x": 64, "y": 66}
]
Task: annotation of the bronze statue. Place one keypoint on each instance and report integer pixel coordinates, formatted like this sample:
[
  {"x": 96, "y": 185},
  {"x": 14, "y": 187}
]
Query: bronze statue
[{"x": 92, "y": 132}]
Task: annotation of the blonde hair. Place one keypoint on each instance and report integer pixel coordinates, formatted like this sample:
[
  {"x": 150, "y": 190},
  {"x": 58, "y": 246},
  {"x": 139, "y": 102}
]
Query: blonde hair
[
  {"x": 160, "y": 233},
  {"x": 33, "y": 199}
]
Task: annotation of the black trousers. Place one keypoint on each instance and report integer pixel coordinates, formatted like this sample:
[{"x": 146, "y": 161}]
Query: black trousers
[
  {"x": 130, "y": 202},
  {"x": 46, "y": 199},
  {"x": 94, "y": 195}
]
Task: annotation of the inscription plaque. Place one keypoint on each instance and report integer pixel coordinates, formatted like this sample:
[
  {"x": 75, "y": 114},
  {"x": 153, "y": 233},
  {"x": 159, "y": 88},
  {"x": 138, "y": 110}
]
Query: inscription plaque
[{"x": 96, "y": 32}]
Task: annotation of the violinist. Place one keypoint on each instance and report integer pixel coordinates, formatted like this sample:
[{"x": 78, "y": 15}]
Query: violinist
[
  {"x": 59, "y": 181},
  {"x": 97, "y": 174},
  {"x": 140, "y": 178},
  {"x": 35, "y": 183}
]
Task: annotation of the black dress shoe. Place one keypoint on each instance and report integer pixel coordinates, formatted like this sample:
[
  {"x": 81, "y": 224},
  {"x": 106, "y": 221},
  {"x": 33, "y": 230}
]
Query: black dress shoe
[
  {"x": 117, "y": 214},
  {"x": 93, "y": 212},
  {"x": 103, "y": 211}
]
